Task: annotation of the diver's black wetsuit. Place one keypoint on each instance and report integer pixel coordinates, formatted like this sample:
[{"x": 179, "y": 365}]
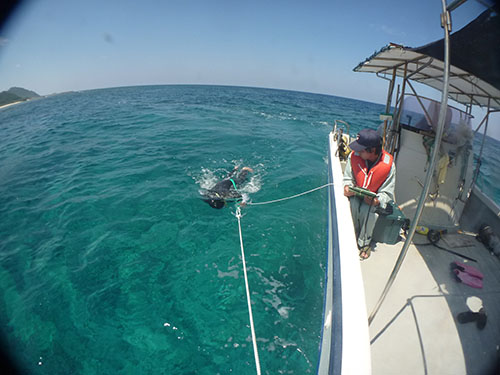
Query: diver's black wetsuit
[{"x": 226, "y": 189}]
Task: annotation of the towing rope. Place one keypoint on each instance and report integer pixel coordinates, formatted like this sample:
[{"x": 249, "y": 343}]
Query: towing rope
[
  {"x": 293, "y": 196},
  {"x": 249, "y": 302}
]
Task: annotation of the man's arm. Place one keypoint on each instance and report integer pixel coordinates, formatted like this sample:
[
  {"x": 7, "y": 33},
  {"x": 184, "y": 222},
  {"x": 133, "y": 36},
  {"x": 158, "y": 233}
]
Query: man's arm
[
  {"x": 231, "y": 174},
  {"x": 242, "y": 176},
  {"x": 348, "y": 179},
  {"x": 386, "y": 192}
]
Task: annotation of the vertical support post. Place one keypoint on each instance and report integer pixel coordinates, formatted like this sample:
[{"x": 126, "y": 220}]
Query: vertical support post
[
  {"x": 400, "y": 109},
  {"x": 478, "y": 166},
  {"x": 391, "y": 138},
  {"x": 388, "y": 104}
]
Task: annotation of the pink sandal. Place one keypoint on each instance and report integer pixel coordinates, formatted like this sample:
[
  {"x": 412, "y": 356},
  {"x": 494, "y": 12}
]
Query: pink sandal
[
  {"x": 473, "y": 271},
  {"x": 468, "y": 279}
]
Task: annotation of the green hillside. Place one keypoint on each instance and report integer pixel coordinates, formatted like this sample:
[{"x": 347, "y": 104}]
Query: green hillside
[
  {"x": 7, "y": 98},
  {"x": 23, "y": 93},
  {"x": 16, "y": 94}
]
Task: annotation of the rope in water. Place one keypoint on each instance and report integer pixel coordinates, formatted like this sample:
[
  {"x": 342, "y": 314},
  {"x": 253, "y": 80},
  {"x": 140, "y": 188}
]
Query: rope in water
[
  {"x": 293, "y": 196},
  {"x": 249, "y": 302}
]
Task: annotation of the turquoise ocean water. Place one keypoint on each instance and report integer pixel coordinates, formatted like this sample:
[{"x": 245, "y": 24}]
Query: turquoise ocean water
[{"x": 110, "y": 262}]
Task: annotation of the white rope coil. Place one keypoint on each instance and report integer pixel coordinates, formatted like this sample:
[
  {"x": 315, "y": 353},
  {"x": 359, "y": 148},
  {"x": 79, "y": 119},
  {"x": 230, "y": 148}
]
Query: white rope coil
[
  {"x": 293, "y": 196},
  {"x": 249, "y": 302}
]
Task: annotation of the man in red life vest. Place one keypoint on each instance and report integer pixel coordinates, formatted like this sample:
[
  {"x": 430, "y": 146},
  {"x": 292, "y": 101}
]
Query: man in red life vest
[{"x": 372, "y": 168}]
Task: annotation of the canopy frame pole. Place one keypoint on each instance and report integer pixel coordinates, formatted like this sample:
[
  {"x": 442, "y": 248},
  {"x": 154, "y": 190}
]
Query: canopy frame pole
[
  {"x": 478, "y": 165},
  {"x": 401, "y": 101},
  {"x": 485, "y": 118},
  {"x": 455, "y": 4},
  {"x": 469, "y": 107},
  {"x": 400, "y": 110},
  {"x": 446, "y": 24},
  {"x": 456, "y": 89},
  {"x": 391, "y": 91},
  {"x": 392, "y": 134},
  {"x": 388, "y": 104},
  {"x": 427, "y": 116},
  {"x": 425, "y": 65}
]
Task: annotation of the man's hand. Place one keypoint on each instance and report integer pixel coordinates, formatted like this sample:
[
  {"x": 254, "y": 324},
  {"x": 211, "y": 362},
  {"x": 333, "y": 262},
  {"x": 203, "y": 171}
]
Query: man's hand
[
  {"x": 372, "y": 201},
  {"x": 247, "y": 169},
  {"x": 347, "y": 192}
]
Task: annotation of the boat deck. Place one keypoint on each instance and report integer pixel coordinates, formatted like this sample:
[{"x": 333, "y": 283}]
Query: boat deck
[{"x": 416, "y": 330}]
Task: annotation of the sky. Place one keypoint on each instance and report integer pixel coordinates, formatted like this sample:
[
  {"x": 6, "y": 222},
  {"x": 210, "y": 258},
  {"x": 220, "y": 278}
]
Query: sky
[{"x": 52, "y": 46}]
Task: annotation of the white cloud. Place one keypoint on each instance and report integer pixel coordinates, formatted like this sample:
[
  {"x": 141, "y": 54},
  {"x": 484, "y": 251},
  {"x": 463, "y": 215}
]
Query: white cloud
[{"x": 389, "y": 31}]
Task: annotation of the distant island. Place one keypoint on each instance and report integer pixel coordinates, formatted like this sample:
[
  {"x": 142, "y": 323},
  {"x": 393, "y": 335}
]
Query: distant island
[{"x": 16, "y": 94}]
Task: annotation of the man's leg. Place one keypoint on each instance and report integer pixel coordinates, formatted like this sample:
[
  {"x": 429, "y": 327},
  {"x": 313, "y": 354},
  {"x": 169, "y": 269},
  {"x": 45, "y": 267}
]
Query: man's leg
[
  {"x": 366, "y": 224},
  {"x": 355, "y": 204}
]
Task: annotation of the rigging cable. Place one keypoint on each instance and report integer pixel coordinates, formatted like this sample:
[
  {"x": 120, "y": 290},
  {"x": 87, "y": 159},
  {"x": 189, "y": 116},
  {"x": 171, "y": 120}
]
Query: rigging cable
[{"x": 249, "y": 302}]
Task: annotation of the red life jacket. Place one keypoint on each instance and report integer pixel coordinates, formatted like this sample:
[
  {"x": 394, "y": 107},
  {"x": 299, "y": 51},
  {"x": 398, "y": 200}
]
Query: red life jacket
[{"x": 375, "y": 177}]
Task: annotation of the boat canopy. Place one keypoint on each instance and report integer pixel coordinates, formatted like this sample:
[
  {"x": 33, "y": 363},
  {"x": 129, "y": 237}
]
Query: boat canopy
[{"x": 474, "y": 63}]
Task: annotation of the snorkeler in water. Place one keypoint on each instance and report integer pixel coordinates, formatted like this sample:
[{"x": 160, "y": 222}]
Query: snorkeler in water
[{"x": 227, "y": 189}]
